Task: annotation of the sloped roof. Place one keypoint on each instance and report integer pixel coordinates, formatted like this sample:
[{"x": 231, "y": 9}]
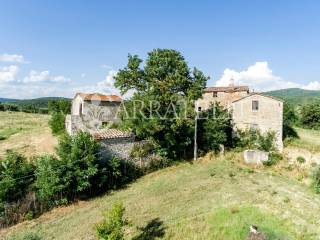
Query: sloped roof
[
  {"x": 99, "y": 97},
  {"x": 227, "y": 89},
  {"x": 260, "y": 94},
  {"x": 111, "y": 134}
]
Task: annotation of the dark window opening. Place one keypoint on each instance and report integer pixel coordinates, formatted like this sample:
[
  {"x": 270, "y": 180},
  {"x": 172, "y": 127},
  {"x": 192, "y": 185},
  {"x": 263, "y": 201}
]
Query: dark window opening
[
  {"x": 215, "y": 94},
  {"x": 255, "y": 105},
  {"x": 199, "y": 109},
  {"x": 80, "y": 109}
]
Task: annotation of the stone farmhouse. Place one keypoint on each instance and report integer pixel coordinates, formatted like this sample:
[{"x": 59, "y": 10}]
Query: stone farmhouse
[
  {"x": 95, "y": 113},
  {"x": 249, "y": 109}
]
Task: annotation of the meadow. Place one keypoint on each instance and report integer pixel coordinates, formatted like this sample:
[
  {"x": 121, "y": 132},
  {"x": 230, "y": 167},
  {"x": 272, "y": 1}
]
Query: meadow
[
  {"x": 213, "y": 198},
  {"x": 25, "y": 133}
]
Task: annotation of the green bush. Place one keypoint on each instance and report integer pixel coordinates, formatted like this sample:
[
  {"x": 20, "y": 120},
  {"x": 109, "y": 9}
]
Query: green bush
[
  {"x": 57, "y": 122},
  {"x": 111, "y": 228},
  {"x": 72, "y": 174},
  {"x": 301, "y": 159},
  {"x": 316, "y": 180},
  {"x": 310, "y": 115},
  {"x": 16, "y": 175},
  {"x": 273, "y": 159},
  {"x": 254, "y": 139}
]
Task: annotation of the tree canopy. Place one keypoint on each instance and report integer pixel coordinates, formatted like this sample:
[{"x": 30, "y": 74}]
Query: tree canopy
[{"x": 162, "y": 105}]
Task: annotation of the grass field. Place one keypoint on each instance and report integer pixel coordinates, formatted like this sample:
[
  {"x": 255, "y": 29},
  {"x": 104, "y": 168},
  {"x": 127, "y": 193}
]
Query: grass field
[
  {"x": 308, "y": 139},
  {"x": 214, "y": 198},
  {"x": 26, "y": 133}
]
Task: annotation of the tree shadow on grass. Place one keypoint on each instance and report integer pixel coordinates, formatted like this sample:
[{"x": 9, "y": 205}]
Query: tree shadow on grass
[{"x": 153, "y": 229}]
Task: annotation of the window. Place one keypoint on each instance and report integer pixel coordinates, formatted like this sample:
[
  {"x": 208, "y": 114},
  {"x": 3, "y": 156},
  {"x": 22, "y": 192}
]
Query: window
[
  {"x": 199, "y": 109},
  {"x": 214, "y": 94},
  {"x": 255, "y": 105}
]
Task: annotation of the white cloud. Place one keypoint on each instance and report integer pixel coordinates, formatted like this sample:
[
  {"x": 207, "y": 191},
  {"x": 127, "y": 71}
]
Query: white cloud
[
  {"x": 44, "y": 76},
  {"x": 8, "y": 74},
  {"x": 312, "y": 86},
  {"x": 106, "y": 86},
  {"x": 14, "y": 58},
  {"x": 260, "y": 77}
]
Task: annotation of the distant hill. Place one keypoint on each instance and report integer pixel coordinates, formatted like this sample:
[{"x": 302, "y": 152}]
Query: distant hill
[
  {"x": 296, "y": 95},
  {"x": 30, "y": 105},
  {"x": 3, "y": 100}
]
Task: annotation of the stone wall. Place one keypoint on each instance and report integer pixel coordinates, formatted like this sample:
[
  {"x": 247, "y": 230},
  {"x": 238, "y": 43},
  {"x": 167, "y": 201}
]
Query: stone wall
[
  {"x": 269, "y": 116},
  {"x": 120, "y": 147}
]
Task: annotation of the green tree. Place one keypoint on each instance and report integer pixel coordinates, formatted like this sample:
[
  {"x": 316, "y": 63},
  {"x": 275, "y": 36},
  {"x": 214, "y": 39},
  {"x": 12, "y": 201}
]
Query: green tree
[
  {"x": 72, "y": 174},
  {"x": 214, "y": 129},
  {"x": 57, "y": 122},
  {"x": 290, "y": 119},
  {"x": 164, "y": 92},
  {"x": 310, "y": 115}
]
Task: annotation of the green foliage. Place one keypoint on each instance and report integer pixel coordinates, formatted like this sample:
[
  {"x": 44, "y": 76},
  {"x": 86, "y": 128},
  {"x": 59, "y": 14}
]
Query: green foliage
[
  {"x": 310, "y": 115},
  {"x": 16, "y": 175},
  {"x": 296, "y": 96},
  {"x": 254, "y": 139},
  {"x": 301, "y": 159},
  {"x": 274, "y": 158},
  {"x": 56, "y": 122},
  {"x": 61, "y": 180},
  {"x": 58, "y": 110},
  {"x": 61, "y": 105},
  {"x": 316, "y": 180},
  {"x": 214, "y": 129},
  {"x": 290, "y": 119},
  {"x": 111, "y": 228},
  {"x": 165, "y": 90}
]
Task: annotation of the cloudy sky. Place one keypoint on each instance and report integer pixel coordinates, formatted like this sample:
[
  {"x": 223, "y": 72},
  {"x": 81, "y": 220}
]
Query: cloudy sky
[{"x": 56, "y": 48}]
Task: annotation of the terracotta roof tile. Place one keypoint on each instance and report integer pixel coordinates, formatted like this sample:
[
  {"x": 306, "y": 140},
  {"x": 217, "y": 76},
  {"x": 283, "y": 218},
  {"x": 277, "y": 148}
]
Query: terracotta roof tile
[
  {"x": 99, "y": 97},
  {"x": 110, "y": 134},
  {"x": 227, "y": 89},
  {"x": 260, "y": 94}
]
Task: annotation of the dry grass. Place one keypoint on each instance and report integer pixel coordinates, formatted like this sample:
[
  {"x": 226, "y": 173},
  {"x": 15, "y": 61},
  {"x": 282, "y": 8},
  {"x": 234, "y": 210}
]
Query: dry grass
[
  {"x": 185, "y": 201},
  {"x": 26, "y": 133},
  {"x": 308, "y": 139}
]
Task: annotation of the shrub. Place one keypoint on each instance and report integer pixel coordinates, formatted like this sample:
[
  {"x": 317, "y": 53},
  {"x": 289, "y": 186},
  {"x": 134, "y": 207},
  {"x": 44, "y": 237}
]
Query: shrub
[
  {"x": 301, "y": 159},
  {"x": 111, "y": 228},
  {"x": 63, "y": 179},
  {"x": 16, "y": 175},
  {"x": 254, "y": 139},
  {"x": 316, "y": 180},
  {"x": 273, "y": 159},
  {"x": 310, "y": 115},
  {"x": 56, "y": 122}
]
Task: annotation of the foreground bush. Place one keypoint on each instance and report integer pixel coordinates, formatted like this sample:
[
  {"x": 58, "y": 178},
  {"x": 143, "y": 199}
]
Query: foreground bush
[
  {"x": 56, "y": 122},
  {"x": 16, "y": 175},
  {"x": 111, "y": 228},
  {"x": 63, "y": 179}
]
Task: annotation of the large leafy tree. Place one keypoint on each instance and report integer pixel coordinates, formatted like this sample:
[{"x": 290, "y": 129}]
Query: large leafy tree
[
  {"x": 161, "y": 108},
  {"x": 310, "y": 115}
]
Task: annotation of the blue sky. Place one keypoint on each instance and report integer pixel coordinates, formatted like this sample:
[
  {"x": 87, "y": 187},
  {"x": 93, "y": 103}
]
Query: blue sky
[{"x": 55, "y": 48}]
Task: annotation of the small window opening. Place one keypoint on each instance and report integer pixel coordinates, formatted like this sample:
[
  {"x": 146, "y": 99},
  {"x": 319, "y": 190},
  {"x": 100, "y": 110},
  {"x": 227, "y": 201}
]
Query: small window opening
[{"x": 255, "y": 105}]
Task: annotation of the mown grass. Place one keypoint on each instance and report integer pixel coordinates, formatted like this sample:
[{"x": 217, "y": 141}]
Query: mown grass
[
  {"x": 209, "y": 199},
  {"x": 25, "y": 132},
  {"x": 308, "y": 139},
  {"x": 232, "y": 223}
]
